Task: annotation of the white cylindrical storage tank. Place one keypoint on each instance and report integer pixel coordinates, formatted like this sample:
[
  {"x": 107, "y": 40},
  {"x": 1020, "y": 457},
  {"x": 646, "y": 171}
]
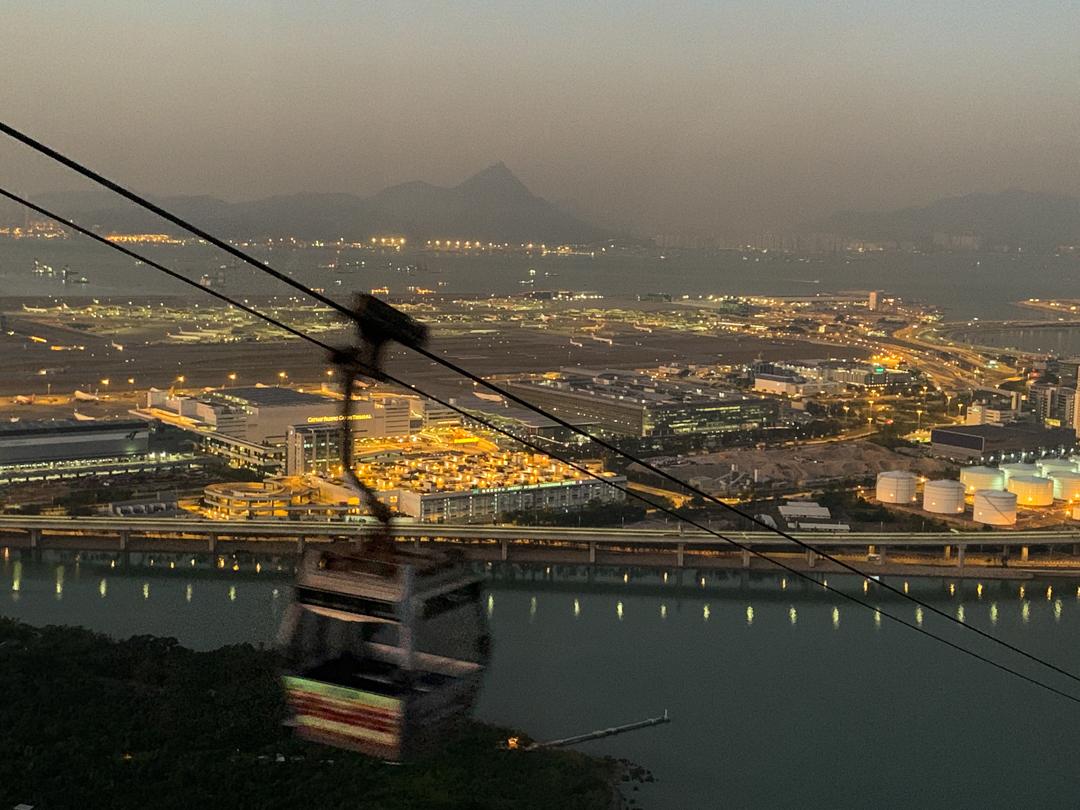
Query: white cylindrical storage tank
[
  {"x": 974, "y": 478},
  {"x": 1049, "y": 466},
  {"x": 896, "y": 486},
  {"x": 1066, "y": 485},
  {"x": 1017, "y": 468},
  {"x": 943, "y": 497},
  {"x": 1032, "y": 490},
  {"x": 994, "y": 508}
]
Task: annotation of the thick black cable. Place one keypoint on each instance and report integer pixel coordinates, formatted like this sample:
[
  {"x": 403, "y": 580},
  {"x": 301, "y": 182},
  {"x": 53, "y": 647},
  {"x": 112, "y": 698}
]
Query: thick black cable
[
  {"x": 141, "y": 201},
  {"x": 448, "y": 364},
  {"x": 534, "y": 446}
]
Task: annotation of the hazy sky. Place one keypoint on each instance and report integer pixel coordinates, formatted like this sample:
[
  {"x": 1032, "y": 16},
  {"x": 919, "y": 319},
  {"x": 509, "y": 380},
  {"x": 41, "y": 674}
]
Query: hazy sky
[{"x": 653, "y": 116}]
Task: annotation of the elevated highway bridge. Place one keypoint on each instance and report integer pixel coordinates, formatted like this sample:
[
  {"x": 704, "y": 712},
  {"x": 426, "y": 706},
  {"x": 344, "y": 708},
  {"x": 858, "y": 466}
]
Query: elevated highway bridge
[{"x": 993, "y": 554}]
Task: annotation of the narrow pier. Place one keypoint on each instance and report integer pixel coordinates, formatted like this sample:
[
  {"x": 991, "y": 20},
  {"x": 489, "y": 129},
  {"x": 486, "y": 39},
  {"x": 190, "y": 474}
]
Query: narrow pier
[{"x": 607, "y": 732}]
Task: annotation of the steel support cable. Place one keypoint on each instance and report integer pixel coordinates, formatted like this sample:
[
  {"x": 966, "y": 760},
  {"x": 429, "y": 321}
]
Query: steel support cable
[
  {"x": 450, "y": 365},
  {"x": 141, "y": 201},
  {"x": 532, "y": 445}
]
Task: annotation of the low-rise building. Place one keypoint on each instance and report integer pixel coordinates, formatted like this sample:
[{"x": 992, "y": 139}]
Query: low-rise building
[
  {"x": 474, "y": 485},
  {"x": 632, "y": 404},
  {"x": 486, "y": 504},
  {"x": 996, "y": 442},
  {"x": 794, "y": 385},
  {"x": 273, "y": 497},
  {"x": 986, "y": 415},
  {"x": 38, "y": 442}
]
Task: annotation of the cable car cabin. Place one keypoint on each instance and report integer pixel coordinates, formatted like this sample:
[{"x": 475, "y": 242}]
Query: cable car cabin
[{"x": 385, "y": 653}]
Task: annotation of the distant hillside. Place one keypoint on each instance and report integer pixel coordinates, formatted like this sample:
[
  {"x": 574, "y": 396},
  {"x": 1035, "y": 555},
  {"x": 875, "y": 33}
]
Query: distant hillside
[
  {"x": 1012, "y": 218},
  {"x": 492, "y": 206}
]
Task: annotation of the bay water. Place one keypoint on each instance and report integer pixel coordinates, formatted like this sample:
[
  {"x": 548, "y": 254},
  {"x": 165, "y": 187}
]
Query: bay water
[{"x": 782, "y": 694}]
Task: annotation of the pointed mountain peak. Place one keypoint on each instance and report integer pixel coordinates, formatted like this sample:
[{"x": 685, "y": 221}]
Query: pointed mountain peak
[{"x": 496, "y": 177}]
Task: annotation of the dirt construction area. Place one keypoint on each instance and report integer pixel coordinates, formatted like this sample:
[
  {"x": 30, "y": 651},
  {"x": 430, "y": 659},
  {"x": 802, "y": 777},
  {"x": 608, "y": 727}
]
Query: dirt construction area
[{"x": 805, "y": 465}]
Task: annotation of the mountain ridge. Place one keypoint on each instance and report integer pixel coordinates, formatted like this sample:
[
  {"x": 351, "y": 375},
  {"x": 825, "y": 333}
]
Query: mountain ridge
[
  {"x": 492, "y": 205},
  {"x": 1009, "y": 219}
]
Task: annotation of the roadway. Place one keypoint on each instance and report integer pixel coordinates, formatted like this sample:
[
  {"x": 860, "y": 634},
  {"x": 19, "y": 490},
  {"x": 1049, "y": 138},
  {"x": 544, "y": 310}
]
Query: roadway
[{"x": 906, "y": 552}]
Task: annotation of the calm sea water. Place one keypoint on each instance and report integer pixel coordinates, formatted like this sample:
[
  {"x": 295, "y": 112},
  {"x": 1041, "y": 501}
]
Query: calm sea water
[
  {"x": 1062, "y": 341},
  {"x": 963, "y": 284},
  {"x": 782, "y": 696}
]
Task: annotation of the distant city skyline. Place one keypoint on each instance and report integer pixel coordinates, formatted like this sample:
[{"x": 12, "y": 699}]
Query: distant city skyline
[{"x": 697, "y": 118}]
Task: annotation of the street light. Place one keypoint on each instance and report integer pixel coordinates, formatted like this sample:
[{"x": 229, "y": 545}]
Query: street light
[{"x": 918, "y": 425}]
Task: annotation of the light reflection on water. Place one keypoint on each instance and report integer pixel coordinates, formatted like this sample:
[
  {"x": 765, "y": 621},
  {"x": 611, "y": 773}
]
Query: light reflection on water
[
  {"x": 16, "y": 571},
  {"x": 748, "y": 667}
]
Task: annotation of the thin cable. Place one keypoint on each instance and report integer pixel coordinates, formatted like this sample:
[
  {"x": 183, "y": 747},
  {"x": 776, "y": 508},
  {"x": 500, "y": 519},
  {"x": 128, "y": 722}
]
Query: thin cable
[
  {"x": 161, "y": 212},
  {"x": 448, "y": 364},
  {"x": 172, "y": 273},
  {"x": 532, "y": 445}
]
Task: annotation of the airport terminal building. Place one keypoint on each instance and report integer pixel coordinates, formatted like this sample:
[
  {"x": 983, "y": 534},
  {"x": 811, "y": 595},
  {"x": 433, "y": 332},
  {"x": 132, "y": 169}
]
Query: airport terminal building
[{"x": 278, "y": 429}]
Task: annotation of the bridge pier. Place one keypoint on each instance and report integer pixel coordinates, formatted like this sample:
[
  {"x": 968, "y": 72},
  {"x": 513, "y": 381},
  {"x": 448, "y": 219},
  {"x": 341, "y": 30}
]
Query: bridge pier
[
  {"x": 960, "y": 550},
  {"x": 125, "y": 538},
  {"x": 35, "y": 538},
  {"x": 592, "y": 552},
  {"x": 1023, "y": 553},
  {"x": 811, "y": 558},
  {"x": 948, "y": 552},
  {"x": 746, "y": 558},
  {"x": 300, "y": 543},
  {"x": 680, "y": 552},
  {"x": 505, "y": 549},
  {"x": 881, "y": 554}
]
